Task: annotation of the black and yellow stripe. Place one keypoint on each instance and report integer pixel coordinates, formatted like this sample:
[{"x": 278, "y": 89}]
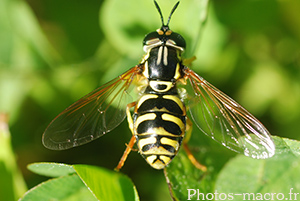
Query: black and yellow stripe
[
  {"x": 159, "y": 127},
  {"x": 159, "y": 119}
]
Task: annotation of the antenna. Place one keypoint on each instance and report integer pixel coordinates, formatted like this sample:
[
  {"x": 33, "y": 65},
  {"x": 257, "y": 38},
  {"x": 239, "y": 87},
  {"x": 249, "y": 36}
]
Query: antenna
[
  {"x": 161, "y": 16},
  {"x": 159, "y": 11},
  {"x": 171, "y": 13}
]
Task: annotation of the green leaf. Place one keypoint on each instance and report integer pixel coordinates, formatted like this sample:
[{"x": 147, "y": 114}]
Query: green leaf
[
  {"x": 182, "y": 175},
  {"x": 286, "y": 146},
  {"x": 240, "y": 175},
  {"x": 104, "y": 184},
  {"x": 12, "y": 184},
  {"x": 51, "y": 169},
  {"x": 66, "y": 188},
  {"x": 107, "y": 185},
  {"x": 274, "y": 175}
]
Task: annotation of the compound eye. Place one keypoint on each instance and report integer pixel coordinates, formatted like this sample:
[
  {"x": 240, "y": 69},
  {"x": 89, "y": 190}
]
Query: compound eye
[
  {"x": 151, "y": 38},
  {"x": 178, "y": 40}
]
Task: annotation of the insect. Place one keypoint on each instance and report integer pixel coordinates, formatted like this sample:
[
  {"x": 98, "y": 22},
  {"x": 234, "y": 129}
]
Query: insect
[{"x": 159, "y": 123}]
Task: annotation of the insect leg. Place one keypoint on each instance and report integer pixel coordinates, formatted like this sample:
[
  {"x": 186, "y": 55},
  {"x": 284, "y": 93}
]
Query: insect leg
[
  {"x": 129, "y": 117},
  {"x": 187, "y": 149},
  {"x": 132, "y": 140},
  {"x": 125, "y": 154},
  {"x": 169, "y": 185}
]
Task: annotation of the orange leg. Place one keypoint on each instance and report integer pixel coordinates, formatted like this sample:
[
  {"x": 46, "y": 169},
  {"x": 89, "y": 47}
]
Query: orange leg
[
  {"x": 193, "y": 159},
  {"x": 132, "y": 140},
  {"x": 125, "y": 154},
  {"x": 187, "y": 149},
  {"x": 169, "y": 184}
]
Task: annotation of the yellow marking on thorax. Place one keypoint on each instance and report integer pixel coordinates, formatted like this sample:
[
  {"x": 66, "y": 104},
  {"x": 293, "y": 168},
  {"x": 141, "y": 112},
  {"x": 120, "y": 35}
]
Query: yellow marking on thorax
[
  {"x": 146, "y": 56},
  {"x": 177, "y": 72},
  {"x": 165, "y": 57},
  {"x": 159, "y": 55},
  {"x": 146, "y": 69}
]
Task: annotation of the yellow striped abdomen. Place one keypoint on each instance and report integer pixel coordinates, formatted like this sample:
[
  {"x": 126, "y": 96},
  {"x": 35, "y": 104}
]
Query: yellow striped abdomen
[{"x": 159, "y": 127}]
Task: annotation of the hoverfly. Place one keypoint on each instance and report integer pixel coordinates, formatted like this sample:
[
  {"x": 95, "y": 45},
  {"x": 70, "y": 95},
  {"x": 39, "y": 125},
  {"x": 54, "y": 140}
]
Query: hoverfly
[{"x": 159, "y": 121}]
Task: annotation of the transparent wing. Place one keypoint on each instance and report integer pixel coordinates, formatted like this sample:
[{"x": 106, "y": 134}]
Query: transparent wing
[
  {"x": 227, "y": 122},
  {"x": 92, "y": 116}
]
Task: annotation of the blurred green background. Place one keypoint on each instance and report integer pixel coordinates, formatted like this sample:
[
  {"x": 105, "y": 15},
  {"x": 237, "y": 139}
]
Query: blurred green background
[{"x": 54, "y": 52}]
